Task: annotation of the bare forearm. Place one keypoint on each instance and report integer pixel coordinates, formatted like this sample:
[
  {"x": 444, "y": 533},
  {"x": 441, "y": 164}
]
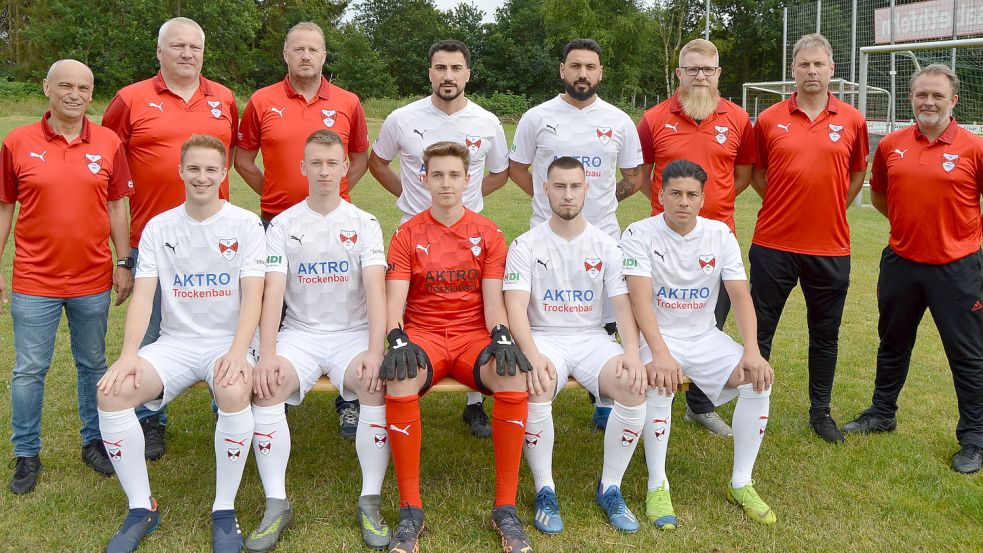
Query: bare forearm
[
  {"x": 119, "y": 228},
  {"x": 517, "y": 306},
  {"x": 250, "y": 308},
  {"x": 493, "y": 181},
  {"x": 374, "y": 279},
  {"x": 629, "y": 184},
  {"x": 245, "y": 164},
  {"x": 269, "y": 319},
  {"x": 856, "y": 185},
  {"x": 358, "y": 163},
  {"x": 383, "y": 173},
  {"x": 520, "y": 175}
]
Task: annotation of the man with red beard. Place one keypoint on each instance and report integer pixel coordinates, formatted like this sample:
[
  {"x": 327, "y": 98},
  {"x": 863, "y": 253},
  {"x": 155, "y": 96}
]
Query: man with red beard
[{"x": 698, "y": 125}]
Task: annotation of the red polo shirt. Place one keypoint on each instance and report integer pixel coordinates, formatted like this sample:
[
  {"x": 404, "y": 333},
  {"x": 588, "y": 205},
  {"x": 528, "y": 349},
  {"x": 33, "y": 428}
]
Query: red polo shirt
[
  {"x": 717, "y": 144},
  {"x": 153, "y": 123},
  {"x": 933, "y": 192},
  {"x": 808, "y": 167},
  {"x": 278, "y": 121},
  {"x": 62, "y": 233}
]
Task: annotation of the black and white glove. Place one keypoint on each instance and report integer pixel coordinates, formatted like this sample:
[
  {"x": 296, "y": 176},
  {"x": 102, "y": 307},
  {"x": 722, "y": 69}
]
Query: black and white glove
[
  {"x": 403, "y": 357},
  {"x": 507, "y": 355}
]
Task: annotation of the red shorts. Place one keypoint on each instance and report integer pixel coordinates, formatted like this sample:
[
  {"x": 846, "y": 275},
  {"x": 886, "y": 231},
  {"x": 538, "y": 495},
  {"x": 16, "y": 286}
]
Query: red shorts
[{"x": 452, "y": 353}]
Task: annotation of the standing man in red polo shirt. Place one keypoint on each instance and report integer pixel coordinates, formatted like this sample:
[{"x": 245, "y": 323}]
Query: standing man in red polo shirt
[
  {"x": 70, "y": 177},
  {"x": 279, "y": 118},
  {"x": 811, "y": 163},
  {"x": 153, "y": 118},
  {"x": 698, "y": 125},
  {"x": 927, "y": 180}
]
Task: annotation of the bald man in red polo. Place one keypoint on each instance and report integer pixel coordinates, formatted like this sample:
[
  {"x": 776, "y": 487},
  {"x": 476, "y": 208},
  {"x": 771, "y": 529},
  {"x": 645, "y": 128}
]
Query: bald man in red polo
[
  {"x": 70, "y": 178},
  {"x": 927, "y": 180},
  {"x": 153, "y": 118}
]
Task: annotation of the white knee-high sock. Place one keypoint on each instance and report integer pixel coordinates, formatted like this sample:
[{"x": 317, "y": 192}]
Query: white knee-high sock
[
  {"x": 658, "y": 421},
  {"x": 538, "y": 444},
  {"x": 233, "y": 437},
  {"x": 474, "y": 397},
  {"x": 372, "y": 447},
  {"x": 750, "y": 420},
  {"x": 123, "y": 438},
  {"x": 271, "y": 442},
  {"x": 620, "y": 440}
]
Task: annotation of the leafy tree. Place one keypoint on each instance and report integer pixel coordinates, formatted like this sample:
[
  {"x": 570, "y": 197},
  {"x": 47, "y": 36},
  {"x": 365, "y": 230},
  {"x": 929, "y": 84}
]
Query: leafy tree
[{"x": 354, "y": 65}]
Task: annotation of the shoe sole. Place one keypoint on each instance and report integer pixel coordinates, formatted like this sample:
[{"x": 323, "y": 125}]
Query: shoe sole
[
  {"x": 380, "y": 547},
  {"x": 505, "y": 544},
  {"x": 416, "y": 546}
]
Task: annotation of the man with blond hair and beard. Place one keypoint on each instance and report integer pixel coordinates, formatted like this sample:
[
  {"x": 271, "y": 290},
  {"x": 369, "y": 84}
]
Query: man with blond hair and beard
[{"x": 698, "y": 125}]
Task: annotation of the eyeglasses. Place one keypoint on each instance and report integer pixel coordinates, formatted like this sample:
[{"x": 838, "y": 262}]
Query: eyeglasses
[{"x": 694, "y": 71}]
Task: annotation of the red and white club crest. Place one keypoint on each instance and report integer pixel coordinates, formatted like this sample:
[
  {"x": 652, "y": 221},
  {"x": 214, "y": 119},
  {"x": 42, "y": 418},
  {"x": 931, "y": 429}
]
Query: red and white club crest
[
  {"x": 234, "y": 453},
  {"x": 329, "y": 116},
  {"x": 216, "y": 112},
  {"x": 593, "y": 266},
  {"x": 380, "y": 440},
  {"x": 228, "y": 247},
  {"x": 94, "y": 162},
  {"x": 473, "y": 143},
  {"x": 604, "y": 134},
  {"x": 834, "y": 132},
  {"x": 661, "y": 425},
  {"x": 114, "y": 449},
  {"x": 475, "y": 245},
  {"x": 532, "y": 440},
  {"x": 628, "y": 437},
  {"x": 949, "y": 162},
  {"x": 264, "y": 447},
  {"x": 721, "y": 134},
  {"x": 762, "y": 425},
  {"x": 707, "y": 264},
  {"x": 348, "y": 239}
]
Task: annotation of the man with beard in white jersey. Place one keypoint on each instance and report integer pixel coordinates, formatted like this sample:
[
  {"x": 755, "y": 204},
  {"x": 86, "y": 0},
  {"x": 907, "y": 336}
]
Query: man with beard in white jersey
[
  {"x": 674, "y": 263},
  {"x": 698, "y": 125},
  {"x": 445, "y": 115},
  {"x": 556, "y": 279},
  {"x": 211, "y": 258},
  {"x": 581, "y": 125},
  {"x": 326, "y": 261}
]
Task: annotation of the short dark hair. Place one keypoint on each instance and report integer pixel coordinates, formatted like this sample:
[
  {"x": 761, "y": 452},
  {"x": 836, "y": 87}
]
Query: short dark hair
[
  {"x": 564, "y": 162},
  {"x": 324, "y": 137},
  {"x": 581, "y": 44},
  {"x": 683, "y": 169},
  {"x": 446, "y": 149},
  {"x": 451, "y": 45}
]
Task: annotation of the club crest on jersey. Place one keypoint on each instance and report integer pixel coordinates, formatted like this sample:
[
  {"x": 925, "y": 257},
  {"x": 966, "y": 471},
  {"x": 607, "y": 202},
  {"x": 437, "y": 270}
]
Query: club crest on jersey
[
  {"x": 473, "y": 143},
  {"x": 628, "y": 437},
  {"x": 475, "y": 245},
  {"x": 348, "y": 239},
  {"x": 949, "y": 162},
  {"x": 593, "y": 266},
  {"x": 721, "y": 134},
  {"x": 707, "y": 264},
  {"x": 329, "y": 116},
  {"x": 228, "y": 247},
  {"x": 380, "y": 440},
  {"x": 604, "y": 134},
  {"x": 264, "y": 447},
  {"x": 834, "y": 132},
  {"x": 216, "y": 112},
  {"x": 94, "y": 160}
]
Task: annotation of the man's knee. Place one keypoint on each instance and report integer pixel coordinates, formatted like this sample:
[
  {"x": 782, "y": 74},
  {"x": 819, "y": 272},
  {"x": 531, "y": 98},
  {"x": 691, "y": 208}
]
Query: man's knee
[{"x": 235, "y": 397}]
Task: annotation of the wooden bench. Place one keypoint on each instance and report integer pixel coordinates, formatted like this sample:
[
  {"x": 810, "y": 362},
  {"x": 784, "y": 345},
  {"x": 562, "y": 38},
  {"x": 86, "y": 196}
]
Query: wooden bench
[{"x": 448, "y": 384}]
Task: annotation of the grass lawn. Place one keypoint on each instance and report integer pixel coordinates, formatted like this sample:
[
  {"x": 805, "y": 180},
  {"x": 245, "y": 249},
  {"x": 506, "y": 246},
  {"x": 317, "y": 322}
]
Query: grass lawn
[{"x": 882, "y": 493}]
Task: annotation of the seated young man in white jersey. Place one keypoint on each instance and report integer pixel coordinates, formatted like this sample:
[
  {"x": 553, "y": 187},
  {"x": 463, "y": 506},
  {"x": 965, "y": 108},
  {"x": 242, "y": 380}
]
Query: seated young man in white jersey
[
  {"x": 556, "y": 279},
  {"x": 211, "y": 258},
  {"x": 674, "y": 263},
  {"x": 327, "y": 260}
]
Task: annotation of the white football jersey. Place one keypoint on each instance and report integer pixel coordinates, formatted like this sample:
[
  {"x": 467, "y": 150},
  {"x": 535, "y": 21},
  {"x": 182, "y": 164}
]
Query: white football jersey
[
  {"x": 408, "y": 130},
  {"x": 601, "y": 136},
  {"x": 199, "y": 265},
  {"x": 567, "y": 281},
  {"x": 323, "y": 258},
  {"x": 685, "y": 271}
]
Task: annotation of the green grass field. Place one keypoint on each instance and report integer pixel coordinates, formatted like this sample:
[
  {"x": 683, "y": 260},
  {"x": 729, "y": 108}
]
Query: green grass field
[{"x": 887, "y": 493}]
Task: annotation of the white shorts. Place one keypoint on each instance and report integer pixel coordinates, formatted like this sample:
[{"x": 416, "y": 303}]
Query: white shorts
[
  {"x": 313, "y": 355},
  {"x": 581, "y": 356},
  {"x": 181, "y": 362},
  {"x": 708, "y": 361}
]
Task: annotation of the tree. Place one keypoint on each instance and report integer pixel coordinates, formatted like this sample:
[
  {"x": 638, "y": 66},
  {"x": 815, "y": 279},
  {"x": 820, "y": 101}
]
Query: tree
[
  {"x": 355, "y": 66},
  {"x": 517, "y": 57}
]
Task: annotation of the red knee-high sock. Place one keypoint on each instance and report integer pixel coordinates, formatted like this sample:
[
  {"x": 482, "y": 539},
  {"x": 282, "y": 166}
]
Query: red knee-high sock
[
  {"x": 405, "y": 436},
  {"x": 508, "y": 430}
]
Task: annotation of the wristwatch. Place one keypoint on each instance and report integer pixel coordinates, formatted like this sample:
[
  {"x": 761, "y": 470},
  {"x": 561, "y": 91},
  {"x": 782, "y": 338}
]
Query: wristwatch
[{"x": 126, "y": 263}]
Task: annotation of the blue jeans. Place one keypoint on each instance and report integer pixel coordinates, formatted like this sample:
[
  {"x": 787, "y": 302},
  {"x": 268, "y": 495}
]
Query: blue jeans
[
  {"x": 36, "y": 320},
  {"x": 153, "y": 332}
]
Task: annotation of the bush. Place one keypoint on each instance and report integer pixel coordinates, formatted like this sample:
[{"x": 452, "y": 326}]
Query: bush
[
  {"x": 507, "y": 107},
  {"x": 16, "y": 90}
]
